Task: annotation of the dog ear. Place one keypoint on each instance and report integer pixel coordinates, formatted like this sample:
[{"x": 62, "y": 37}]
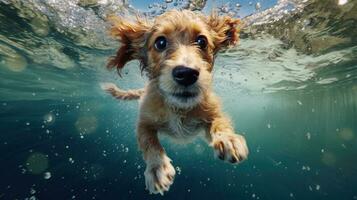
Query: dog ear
[
  {"x": 226, "y": 30},
  {"x": 131, "y": 35}
]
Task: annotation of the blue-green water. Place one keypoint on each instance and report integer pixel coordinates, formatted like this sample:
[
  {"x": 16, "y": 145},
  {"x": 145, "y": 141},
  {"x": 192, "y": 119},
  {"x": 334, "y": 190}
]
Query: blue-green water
[{"x": 291, "y": 90}]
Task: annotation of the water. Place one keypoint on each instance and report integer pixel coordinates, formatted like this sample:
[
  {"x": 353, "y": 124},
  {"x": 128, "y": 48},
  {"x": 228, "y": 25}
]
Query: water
[{"x": 290, "y": 87}]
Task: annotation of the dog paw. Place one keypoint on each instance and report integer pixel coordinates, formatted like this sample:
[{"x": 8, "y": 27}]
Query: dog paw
[
  {"x": 159, "y": 175},
  {"x": 230, "y": 147}
]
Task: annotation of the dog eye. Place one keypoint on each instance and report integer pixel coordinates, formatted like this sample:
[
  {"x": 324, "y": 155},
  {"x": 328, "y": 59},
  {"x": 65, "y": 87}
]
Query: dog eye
[
  {"x": 160, "y": 43},
  {"x": 201, "y": 41}
]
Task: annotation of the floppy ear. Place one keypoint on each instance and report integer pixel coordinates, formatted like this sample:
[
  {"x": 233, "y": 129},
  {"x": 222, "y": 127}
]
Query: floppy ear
[
  {"x": 225, "y": 30},
  {"x": 131, "y": 35}
]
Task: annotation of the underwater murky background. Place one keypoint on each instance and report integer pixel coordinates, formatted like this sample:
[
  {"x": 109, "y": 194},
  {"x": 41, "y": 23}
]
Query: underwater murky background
[{"x": 290, "y": 87}]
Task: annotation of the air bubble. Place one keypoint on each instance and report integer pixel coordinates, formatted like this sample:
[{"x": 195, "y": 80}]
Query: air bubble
[
  {"x": 178, "y": 169},
  {"x": 47, "y": 175},
  {"x": 14, "y": 62},
  {"x": 225, "y": 9},
  {"x": 49, "y": 118},
  {"x": 346, "y": 134},
  {"x": 36, "y": 163},
  {"x": 32, "y": 191},
  {"x": 308, "y": 135},
  {"x": 32, "y": 198},
  {"x": 258, "y": 6},
  {"x": 86, "y": 124},
  {"x": 317, "y": 187}
]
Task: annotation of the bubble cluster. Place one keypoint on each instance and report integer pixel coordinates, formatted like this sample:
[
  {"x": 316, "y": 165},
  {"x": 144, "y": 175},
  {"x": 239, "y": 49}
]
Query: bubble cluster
[{"x": 156, "y": 8}]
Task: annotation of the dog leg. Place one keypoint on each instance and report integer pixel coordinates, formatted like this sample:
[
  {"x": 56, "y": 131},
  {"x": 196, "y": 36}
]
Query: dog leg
[
  {"x": 227, "y": 145},
  {"x": 159, "y": 173}
]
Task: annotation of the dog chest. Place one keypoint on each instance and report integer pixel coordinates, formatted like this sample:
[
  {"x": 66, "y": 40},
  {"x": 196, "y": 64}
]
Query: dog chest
[{"x": 182, "y": 127}]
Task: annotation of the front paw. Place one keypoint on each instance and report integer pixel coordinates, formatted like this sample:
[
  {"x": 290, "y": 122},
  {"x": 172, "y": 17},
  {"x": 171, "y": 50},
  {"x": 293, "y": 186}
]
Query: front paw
[
  {"x": 230, "y": 147},
  {"x": 159, "y": 175}
]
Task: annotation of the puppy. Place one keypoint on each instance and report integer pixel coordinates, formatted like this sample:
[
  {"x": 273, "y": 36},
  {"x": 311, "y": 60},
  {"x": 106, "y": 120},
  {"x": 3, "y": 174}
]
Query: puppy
[{"x": 177, "y": 51}]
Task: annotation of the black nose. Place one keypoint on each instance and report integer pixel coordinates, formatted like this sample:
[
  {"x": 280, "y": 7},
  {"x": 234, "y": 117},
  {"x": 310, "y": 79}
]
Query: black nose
[{"x": 184, "y": 75}]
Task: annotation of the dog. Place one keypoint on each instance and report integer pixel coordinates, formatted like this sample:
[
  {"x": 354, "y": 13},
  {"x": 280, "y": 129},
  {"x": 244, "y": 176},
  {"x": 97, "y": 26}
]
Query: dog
[{"x": 176, "y": 50}]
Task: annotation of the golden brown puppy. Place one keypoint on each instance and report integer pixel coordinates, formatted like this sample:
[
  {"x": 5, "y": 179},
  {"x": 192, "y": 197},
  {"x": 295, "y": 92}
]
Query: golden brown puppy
[{"x": 177, "y": 51}]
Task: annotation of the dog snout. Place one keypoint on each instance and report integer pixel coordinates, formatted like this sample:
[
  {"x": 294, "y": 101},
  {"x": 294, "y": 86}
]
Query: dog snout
[{"x": 184, "y": 75}]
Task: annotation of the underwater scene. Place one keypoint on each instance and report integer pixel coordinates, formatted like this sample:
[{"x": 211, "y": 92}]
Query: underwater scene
[{"x": 289, "y": 87}]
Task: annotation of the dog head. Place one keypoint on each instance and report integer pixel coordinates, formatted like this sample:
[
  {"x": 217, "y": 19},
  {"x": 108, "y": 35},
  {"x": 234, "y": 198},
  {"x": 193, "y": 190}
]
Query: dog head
[{"x": 176, "y": 49}]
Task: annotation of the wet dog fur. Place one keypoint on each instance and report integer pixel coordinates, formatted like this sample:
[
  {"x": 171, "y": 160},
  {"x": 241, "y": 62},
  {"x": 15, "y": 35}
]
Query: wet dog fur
[{"x": 166, "y": 107}]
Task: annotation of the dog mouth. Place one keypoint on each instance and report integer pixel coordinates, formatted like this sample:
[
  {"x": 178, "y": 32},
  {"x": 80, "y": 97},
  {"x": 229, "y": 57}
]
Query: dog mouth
[
  {"x": 182, "y": 98},
  {"x": 185, "y": 94}
]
